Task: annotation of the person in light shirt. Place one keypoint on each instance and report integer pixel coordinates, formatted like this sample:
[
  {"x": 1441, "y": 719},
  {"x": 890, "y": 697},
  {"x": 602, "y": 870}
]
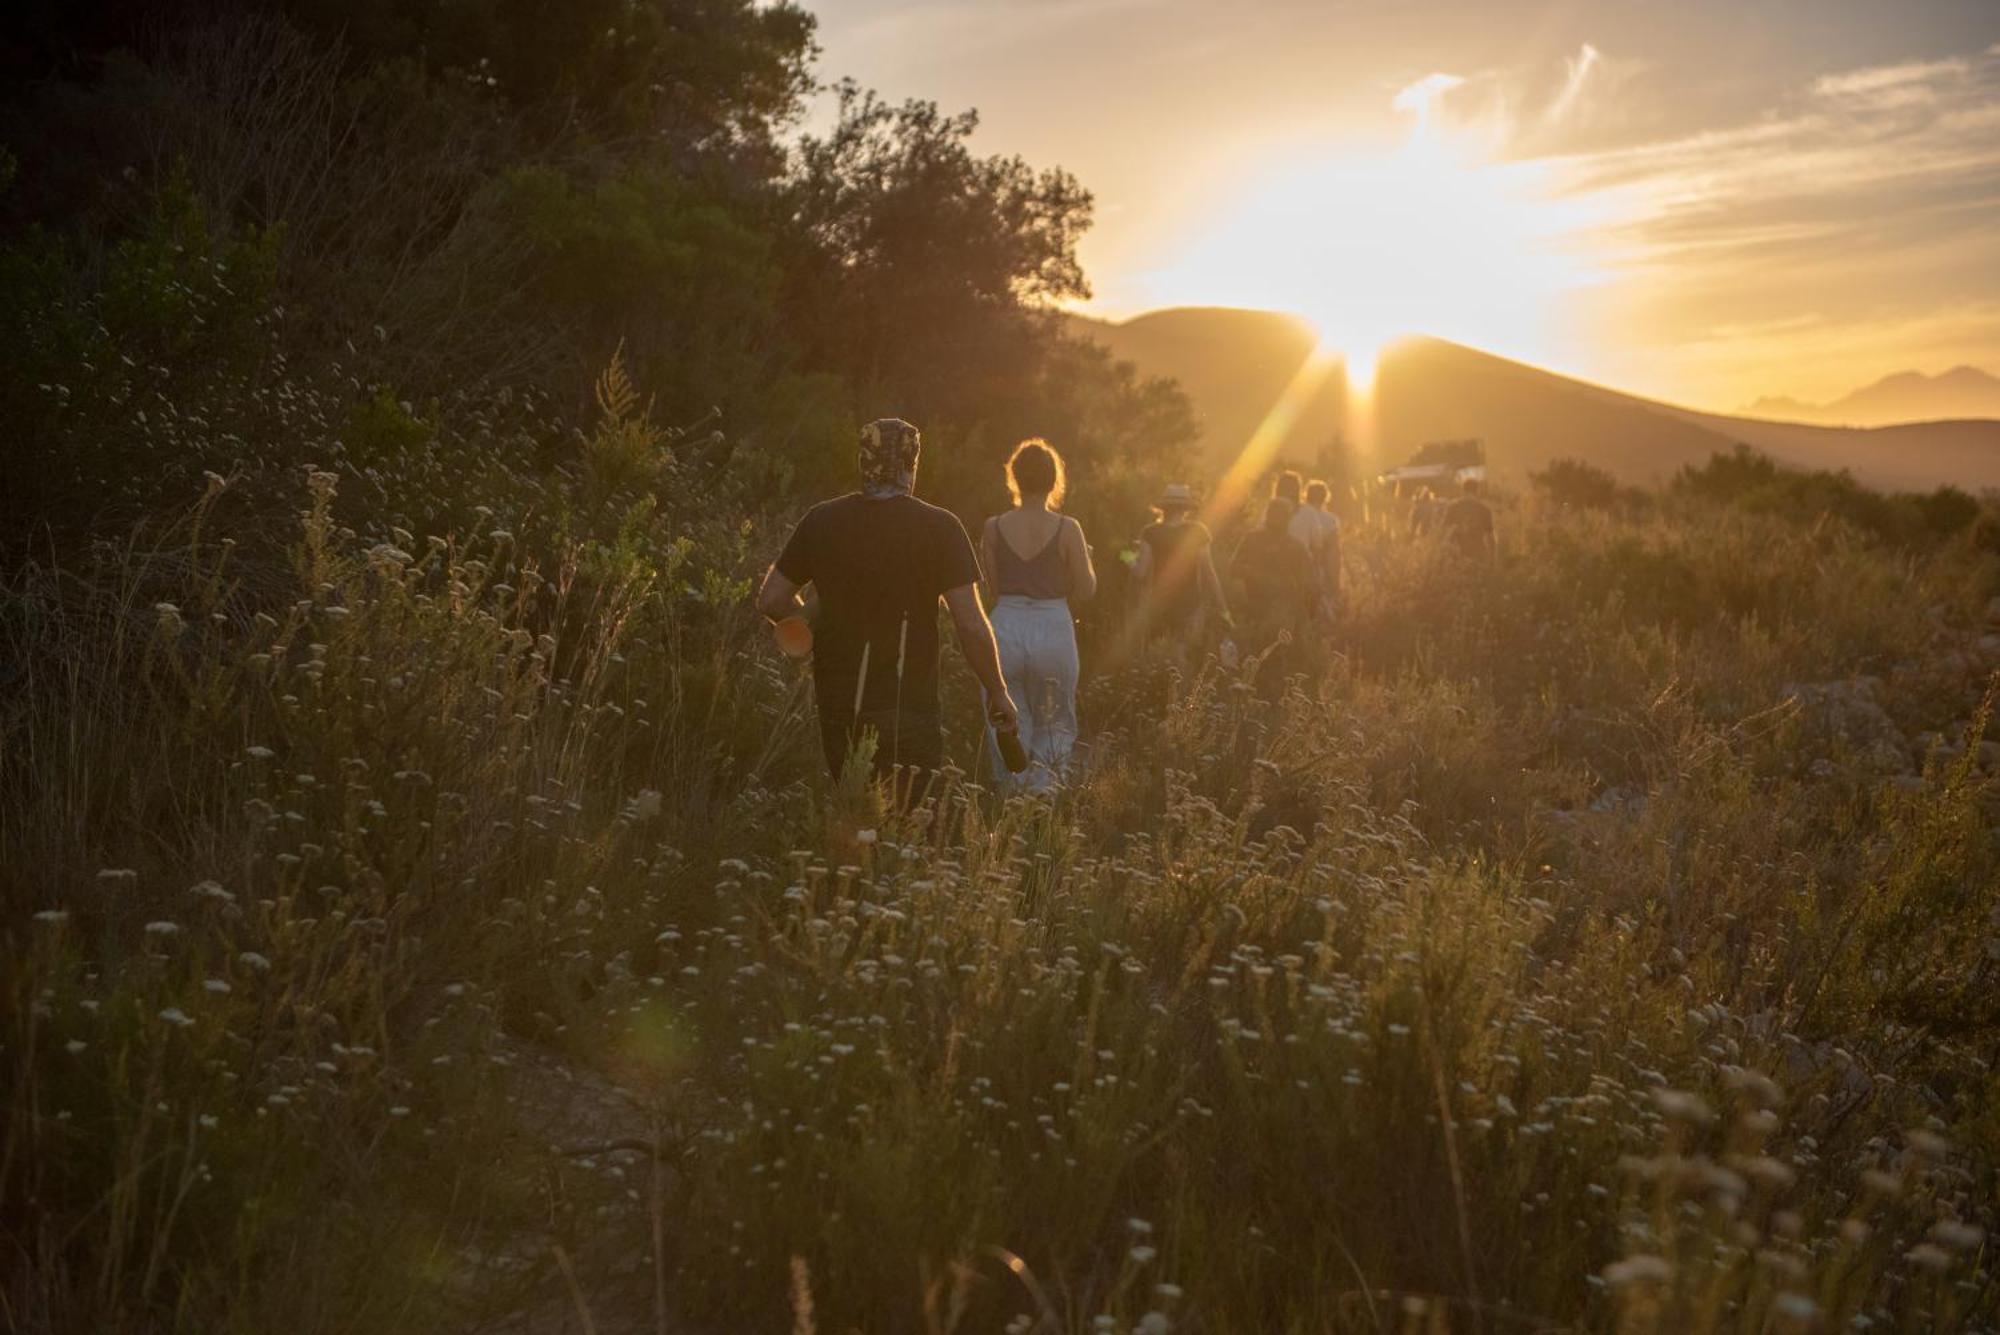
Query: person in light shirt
[{"x": 1317, "y": 529}]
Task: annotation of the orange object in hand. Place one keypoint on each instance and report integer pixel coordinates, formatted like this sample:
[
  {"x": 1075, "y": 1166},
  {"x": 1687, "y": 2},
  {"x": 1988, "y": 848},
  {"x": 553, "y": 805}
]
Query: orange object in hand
[{"x": 794, "y": 636}]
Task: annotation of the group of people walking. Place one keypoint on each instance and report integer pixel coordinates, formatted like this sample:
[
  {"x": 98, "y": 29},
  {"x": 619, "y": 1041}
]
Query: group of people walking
[{"x": 880, "y": 560}]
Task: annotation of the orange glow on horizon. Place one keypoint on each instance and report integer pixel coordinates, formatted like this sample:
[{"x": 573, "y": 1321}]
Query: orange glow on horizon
[{"x": 1433, "y": 237}]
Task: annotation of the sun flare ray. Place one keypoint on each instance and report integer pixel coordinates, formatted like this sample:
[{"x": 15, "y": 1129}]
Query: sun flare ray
[{"x": 1262, "y": 447}]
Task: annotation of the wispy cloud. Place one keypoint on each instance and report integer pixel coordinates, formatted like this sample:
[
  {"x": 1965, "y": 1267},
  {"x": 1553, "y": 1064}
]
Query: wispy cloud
[
  {"x": 1868, "y": 199},
  {"x": 1580, "y": 66},
  {"x": 1425, "y": 94},
  {"x": 1866, "y": 83},
  {"x": 1859, "y": 147}
]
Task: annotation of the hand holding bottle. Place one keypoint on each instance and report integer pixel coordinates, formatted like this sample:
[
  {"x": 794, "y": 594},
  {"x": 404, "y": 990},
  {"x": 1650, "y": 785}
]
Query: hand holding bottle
[{"x": 1006, "y": 722}]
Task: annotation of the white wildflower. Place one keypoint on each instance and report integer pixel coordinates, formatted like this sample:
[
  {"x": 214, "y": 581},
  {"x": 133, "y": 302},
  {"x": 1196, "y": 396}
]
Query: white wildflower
[
  {"x": 1677, "y": 1105},
  {"x": 1881, "y": 1183},
  {"x": 1929, "y": 1256},
  {"x": 1927, "y": 1142},
  {"x": 1958, "y": 1235},
  {"x": 1771, "y": 1172},
  {"x": 1797, "y": 1306},
  {"x": 175, "y": 1016},
  {"x": 1642, "y": 1269}
]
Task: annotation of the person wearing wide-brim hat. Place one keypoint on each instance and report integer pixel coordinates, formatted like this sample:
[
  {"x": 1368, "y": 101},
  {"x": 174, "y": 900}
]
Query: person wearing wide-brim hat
[{"x": 1178, "y": 587}]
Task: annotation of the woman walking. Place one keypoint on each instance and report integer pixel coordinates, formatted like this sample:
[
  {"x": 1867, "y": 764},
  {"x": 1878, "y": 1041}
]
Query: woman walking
[{"x": 1036, "y": 564}]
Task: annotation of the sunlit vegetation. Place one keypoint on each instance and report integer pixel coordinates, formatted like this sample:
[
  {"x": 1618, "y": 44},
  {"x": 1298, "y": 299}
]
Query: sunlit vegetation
[{"x": 424, "y": 909}]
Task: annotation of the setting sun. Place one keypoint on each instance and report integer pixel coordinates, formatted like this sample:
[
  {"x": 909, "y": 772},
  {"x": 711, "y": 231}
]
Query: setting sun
[{"x": 1368, "y": 245}]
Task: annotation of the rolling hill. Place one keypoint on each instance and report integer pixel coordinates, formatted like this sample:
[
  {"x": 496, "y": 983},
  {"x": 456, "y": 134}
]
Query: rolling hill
[{"x": 1235, "y": 364}]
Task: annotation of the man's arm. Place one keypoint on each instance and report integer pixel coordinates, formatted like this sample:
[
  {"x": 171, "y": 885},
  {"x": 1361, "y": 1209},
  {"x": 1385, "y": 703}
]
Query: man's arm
[
  {"x": 988, "y": 559},
  {"x": 975, "y": 641},
  {"x": 778, "y": 597}
]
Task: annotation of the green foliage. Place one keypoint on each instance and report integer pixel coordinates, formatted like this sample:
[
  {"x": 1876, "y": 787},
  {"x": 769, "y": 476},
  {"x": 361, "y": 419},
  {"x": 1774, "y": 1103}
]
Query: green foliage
[
  {"x": 690, "y": 68},
  {"x": 181, "y": 284},
  {"x": 920, "y": 262},
  {"x": 1754, "y": 482},
  {"x": 460, "y": 204},
  {"x": 1576, "y": 483},
  {"x": 689, "y": 285},
  {"x": 381, "y": 426},
  {"x": 109, "y": 350}
]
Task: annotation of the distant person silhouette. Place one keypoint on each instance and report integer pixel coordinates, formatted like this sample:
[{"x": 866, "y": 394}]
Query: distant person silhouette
[
  {"x": 1175, "y": 568},
  {"x": 1289, "y": 487},
  {"x": 1274, "y": 580},
  {"x": 1426, "y": 511},
  {"x": 1317, "y": 529},
  {"x": 880, "y": 560},
  {"x": 1036, "y": 562},
  {"x": 1468, "y": 524}
]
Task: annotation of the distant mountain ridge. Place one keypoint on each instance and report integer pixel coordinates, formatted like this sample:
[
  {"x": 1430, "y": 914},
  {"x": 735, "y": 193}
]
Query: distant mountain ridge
[
  {"x": 1908, "y": 396},
  {"x": 1236, "y": 364}
]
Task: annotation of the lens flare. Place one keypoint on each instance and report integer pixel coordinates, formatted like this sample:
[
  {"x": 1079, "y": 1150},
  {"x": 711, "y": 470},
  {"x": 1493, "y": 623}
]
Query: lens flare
[{"x": 1429, "y": 237}]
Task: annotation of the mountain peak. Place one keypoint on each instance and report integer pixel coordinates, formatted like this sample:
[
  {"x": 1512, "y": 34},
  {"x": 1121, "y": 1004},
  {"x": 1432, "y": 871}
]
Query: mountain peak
[{"x": 1963, "y": 392}]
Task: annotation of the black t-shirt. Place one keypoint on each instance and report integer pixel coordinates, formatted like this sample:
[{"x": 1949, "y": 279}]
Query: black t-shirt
[
  {"x": 878, "y": 565},
  {"x": 1276, "y": 576}
]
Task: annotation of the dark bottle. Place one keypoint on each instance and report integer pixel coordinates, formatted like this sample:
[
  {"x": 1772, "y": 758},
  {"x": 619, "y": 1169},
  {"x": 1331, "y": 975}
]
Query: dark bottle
[{"x": 1008, "y": 739}]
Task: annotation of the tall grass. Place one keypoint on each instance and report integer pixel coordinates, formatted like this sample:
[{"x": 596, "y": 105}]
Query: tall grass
[{"x": 1551, "y": 953}]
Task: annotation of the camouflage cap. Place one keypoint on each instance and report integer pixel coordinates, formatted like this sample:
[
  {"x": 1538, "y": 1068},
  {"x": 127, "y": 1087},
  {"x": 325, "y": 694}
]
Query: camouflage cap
[{"x": 888, "y": 456}]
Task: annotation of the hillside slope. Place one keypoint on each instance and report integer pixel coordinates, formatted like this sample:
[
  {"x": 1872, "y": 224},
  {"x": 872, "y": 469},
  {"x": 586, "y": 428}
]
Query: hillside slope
[{"x": 1235, "y": 364}]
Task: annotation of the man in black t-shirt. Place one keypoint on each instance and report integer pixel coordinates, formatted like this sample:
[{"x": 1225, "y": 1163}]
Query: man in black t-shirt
[{"x": 881, "y": 559}]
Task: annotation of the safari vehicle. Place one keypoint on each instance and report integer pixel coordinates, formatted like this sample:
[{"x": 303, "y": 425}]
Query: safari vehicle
[{"x": 1440, "y": 465}]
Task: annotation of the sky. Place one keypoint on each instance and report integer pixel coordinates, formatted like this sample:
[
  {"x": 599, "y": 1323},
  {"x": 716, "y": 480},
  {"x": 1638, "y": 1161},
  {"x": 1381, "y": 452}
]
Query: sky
[{"x": 1707, "y": 201}]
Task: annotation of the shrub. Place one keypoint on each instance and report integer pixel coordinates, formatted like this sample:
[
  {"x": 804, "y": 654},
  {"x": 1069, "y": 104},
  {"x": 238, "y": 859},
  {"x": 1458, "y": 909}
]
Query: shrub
[{"x": 1576, "y": 483}]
